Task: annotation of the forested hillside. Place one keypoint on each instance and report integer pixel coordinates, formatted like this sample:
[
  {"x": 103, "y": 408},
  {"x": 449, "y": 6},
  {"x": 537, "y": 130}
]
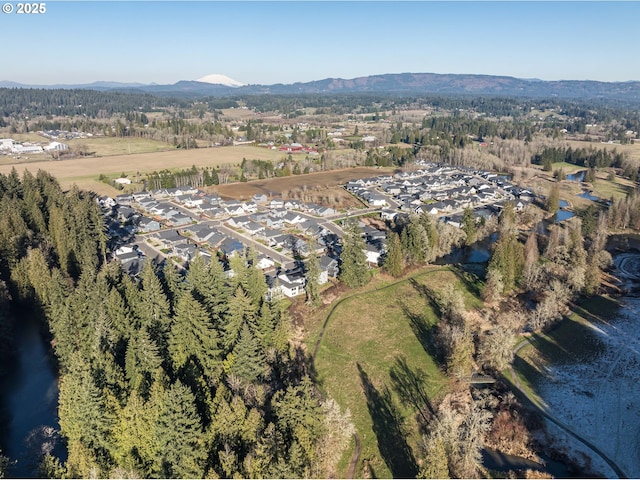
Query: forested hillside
[{"x": 168, "y": 376}]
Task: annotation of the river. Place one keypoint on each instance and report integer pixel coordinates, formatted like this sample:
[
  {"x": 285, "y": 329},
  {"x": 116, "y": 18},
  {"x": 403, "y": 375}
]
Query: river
[{"x": 29, "y": 402}]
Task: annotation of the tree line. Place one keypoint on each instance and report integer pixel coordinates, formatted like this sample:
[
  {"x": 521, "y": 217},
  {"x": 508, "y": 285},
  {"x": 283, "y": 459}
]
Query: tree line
[{"x": 168, "y": 375}]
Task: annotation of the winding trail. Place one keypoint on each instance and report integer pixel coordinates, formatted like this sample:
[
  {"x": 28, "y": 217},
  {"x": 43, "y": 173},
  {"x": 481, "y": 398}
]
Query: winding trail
[{"x": 545, "y": 413}]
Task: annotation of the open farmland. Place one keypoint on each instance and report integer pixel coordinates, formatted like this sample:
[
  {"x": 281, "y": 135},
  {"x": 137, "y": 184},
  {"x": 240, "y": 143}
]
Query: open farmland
[
  {"x": 320, "y": 187},
  {"x": 633, "y": 150},
  {"x": 107, "y": 146},
  {"x": 84, "y": 171}
]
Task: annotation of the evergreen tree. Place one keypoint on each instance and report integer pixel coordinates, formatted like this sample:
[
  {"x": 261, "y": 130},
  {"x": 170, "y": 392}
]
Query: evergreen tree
[
  {"x": 173, "y": 282},
  {"x": 469, "y": 226},
  {"x": 393, "y": 261},
  {"x": 552, "y": 203},
  {"x": 153, "y": 306},
  {"x": 241, "y": 311},
  {"x": 134, "y": 445},
  {"x": 435, "y": 462},
  {"x": 508, "y": 253},
  {"x": 178, "y": 433},
  {"x": 85, "y": 418},
  {"x": 312, "y": 275},
  {"x": 193, "y": 337},
  {"x": 249, "y": 363},
  {"x": 414, "y": 242},
  {"x": 297, "y": 410},
  {"x": 353, "y": 271},
  {"x": 142, "y": 360}
]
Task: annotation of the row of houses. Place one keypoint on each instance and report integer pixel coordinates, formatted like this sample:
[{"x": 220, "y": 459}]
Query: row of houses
[
  {"x": 289, "y": 283},
  {"x": 438, "y": 190},
  {"x": 191, "y": 238}
]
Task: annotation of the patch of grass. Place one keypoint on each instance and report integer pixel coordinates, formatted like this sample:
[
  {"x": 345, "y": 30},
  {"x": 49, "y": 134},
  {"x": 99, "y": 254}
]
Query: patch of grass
[
  {"x": 107, "y": 146},
  {"x": 572, "y": 340},
  {"x": 27, "y": 137},
  {"x": 377, "y": 360},
  {"x": 566, "y": 167},
  {"x": 606, "y": 189}
]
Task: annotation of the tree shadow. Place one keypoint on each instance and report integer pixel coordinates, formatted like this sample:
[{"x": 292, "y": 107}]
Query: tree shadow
[
  {"x": 471, "y": 279},
  {"x": 429, "y": 295},
  {"x": 409, "y": 385},
  {"x": 421, "y": 327},
  {"x": 387, "y": 426},
  {"x": 423, "y": 331}
]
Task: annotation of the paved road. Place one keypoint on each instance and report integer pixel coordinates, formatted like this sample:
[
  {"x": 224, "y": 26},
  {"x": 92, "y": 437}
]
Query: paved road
[{"x": 284, "y": 260}]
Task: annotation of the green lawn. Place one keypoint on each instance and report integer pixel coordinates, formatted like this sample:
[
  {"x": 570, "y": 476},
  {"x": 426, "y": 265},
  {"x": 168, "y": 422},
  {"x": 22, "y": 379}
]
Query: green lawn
[{"x": 376, "y": 359}]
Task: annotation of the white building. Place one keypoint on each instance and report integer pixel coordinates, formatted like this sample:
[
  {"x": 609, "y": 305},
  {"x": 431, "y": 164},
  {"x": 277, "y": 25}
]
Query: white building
[
  {"x": 57, "y": 147},
  {"x": 23, "y": 149},
  {"x": 6, "y": 143}
]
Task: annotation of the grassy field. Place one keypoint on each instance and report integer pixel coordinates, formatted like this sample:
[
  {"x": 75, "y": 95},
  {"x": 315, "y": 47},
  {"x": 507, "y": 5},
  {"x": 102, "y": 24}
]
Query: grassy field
[
  {"x": 108, "y": 146},
  {"x": 633, "y": 150},
  {"x": 602, "y": 187},
  {"x": 571, "y": 341},
  {"x": 84, "y": 171},
  {"x": 376, "y": 359},
  {"x": 276, "y": 186}
]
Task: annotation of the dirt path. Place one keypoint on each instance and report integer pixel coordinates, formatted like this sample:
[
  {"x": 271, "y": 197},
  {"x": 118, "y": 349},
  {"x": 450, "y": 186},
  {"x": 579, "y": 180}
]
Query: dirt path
[{"x": 355, "y": 457}]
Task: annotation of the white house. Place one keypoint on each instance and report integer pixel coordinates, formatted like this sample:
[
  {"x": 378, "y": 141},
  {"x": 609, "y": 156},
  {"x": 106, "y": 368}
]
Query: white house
[
  {"x": 290, "y": 286},
  {"x": 265, "y": 263}
]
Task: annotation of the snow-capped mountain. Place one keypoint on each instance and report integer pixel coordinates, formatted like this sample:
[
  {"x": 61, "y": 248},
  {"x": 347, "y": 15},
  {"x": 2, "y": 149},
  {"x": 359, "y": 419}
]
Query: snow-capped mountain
[{"x": 219, "y": 79}]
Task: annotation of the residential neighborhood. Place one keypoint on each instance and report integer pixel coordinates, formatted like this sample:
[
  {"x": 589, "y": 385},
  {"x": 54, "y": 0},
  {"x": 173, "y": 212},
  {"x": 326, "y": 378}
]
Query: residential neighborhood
[{"x": 181, "y": 223}]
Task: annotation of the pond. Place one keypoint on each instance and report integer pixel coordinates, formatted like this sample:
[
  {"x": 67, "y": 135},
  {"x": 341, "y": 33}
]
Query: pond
[
  {"x": 478, "y": 253},
  {"x": 576, "y": 176},
  {"x": 502, "y": 462},
  {"x": 29, "y": 403},
  {"x": 562, "y": 215},
  {"x": 589, "y": 196}
]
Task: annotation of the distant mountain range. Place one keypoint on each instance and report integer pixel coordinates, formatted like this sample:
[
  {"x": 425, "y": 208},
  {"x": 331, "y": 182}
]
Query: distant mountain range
[{"x": 394, "y": 84}]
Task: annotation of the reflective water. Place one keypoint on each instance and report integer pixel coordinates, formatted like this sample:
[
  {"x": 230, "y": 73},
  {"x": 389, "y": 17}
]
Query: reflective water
[
  {"x": 577, "y": 176},
  {"x": 29, "y": 403},
  {"x": 589, "y": 196},
  {"x": 563, "y": 215},
  {"x": 479, "y": 252}
]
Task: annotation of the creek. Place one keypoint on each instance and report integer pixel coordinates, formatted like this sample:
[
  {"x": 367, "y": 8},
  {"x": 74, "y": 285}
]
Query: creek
[{"x": 29, "y": 401}]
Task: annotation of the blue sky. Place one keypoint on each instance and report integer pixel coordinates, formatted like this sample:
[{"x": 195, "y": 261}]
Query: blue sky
[{"x": 288, "y": 41}]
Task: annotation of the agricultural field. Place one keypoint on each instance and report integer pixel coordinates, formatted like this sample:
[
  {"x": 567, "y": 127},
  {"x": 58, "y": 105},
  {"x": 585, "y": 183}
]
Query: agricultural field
[
  {"x": 108, "y": 146},
  {"x": 320, "y": 187},
  {"x": 84, "y": 171},
  {"x": 379, "y": 363},
  {"x": 633, "y": 150}
]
